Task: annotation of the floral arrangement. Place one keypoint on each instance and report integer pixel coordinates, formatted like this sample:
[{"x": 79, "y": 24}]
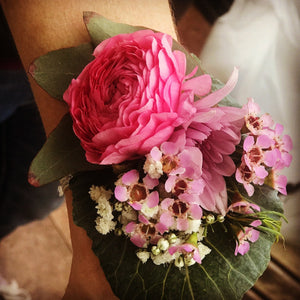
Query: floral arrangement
[{"x": 168, "y": 176}]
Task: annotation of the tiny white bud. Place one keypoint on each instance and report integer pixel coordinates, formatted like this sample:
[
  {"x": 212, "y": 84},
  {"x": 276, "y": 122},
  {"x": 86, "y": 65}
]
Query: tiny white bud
[
  {"x": 179, "y": 263},
  {"x": 172, "y": 238},
  {"x": 220, "y": 218},
  {"x": 210, "y": 219},
  {"x": 118, "y": 231},
  {"x": 163, "y": 244},
  {"x": 155, "y": 250},
  {"x": 118, "y": 206},
  {"x": 189, "y": 261}
]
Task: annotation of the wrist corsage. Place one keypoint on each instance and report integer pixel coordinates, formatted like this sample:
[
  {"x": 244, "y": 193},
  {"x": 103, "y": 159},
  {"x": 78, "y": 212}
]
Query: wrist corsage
[{"x": 175, "y": 185}]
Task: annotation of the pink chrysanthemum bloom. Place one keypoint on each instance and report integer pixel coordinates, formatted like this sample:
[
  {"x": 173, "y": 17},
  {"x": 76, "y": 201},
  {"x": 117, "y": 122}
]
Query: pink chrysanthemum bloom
[
  {"x": 143, "y": 233},
  {"x": 129, "y": 189},
  {"x": 215, "y": 131},
  {"x": 244, "y": 237},
  {"x": 176, "y": 214}
]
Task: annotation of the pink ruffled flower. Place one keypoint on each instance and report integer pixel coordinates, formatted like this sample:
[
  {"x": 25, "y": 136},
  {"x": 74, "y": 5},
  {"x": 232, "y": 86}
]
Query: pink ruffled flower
[
  {"x": 244, "y": 237},
  {"x": 135, "y": 193},
  {"x": 131, "y": 96}
]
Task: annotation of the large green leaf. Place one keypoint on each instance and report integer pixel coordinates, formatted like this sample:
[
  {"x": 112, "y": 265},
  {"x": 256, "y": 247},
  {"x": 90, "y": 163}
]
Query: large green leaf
[
  {"x": 55, "y": 70},
  {"x": 60, "y": 156},
  {"x": 220, "y": 276},
  {"x": 101, "y": 28}
]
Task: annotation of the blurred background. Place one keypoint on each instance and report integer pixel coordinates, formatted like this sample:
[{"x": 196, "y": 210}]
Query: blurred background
[{"x": 261, "y": 37}]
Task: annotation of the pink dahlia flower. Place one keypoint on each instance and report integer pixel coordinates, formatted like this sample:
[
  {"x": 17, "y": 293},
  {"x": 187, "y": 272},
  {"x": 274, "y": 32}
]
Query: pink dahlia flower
[{"x": 132, "y": 96}]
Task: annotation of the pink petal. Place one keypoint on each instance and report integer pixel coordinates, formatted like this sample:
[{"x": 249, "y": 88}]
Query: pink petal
[
  {"x": 130, "y": 227},
  {"x": 200, "y": 85},
  {"x": 173, "y": 249},
  {"x": 182, "y": 224},
  {"x": 136, "y": 205},
  {"x": 143, "y": 219},
  {"x": 197, "y": 257},
  {"x": 167, "y": 219},
  {"x": 161, "y": 228},
  {"x": 156, "y": 154},
  {"x": 217, "y": 96},
  {"x": 264, "y": 141},
  {"x": 242, "y": 248},
  {"x": 170, "y": 182},
  {"x": 153, "y": 199},
  {"x": 196, "y": 211},
  {"x": 130, "y": 177},
  {"x": 248, "y": 143},
  {"x": 149, "y": 182},
  {"x": 121, "y": 193},
  {"x": 138, "y": 240},
  {"x": 169, "y": 148},
  {"x": 260, "y": 172},
  {"x": 166, "y": 203}
]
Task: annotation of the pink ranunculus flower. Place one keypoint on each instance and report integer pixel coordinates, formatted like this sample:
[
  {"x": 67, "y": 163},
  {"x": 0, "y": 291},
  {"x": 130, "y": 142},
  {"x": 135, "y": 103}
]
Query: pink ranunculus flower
[{"x": 131, "y": 96}]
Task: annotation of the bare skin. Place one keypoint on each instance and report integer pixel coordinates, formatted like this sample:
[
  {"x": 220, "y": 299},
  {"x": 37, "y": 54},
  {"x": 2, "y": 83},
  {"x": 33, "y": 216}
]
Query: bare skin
[{"x": 41, "y": 26}]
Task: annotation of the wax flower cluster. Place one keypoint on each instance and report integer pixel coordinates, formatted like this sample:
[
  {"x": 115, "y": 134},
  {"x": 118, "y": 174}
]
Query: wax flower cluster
[{"x": 159, "y": 204}]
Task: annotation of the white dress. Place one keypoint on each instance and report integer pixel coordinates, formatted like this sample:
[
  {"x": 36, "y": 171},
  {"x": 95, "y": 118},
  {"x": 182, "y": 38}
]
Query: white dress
[{"x": 262, "y": 38}]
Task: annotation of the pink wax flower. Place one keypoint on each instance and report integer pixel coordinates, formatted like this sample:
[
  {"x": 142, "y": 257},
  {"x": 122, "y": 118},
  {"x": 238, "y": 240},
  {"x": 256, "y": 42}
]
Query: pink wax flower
[
  {"x": 255, "y": 123},
  {"x": 143, "y": 233},
  {"x": 244, "y": 237},
  {"x": 132, "y": 96},
  {"x": 176, "y": 214},
  {"x": 129, "y": 189},
  {"x": 187, "y": 249}
]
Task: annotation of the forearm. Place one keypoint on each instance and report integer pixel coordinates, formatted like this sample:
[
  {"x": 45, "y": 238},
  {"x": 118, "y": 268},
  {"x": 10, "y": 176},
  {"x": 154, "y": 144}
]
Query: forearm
[{"x": 41, "y": 26}]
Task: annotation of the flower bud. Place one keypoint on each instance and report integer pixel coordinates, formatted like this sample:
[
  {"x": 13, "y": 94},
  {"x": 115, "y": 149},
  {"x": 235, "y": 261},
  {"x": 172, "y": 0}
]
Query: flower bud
[
  {"x": 118, "y": 206},
  {"x": 155, "y": 250},
  {"x": 220, "y": 218},
  {"x": 179, "y": 263},
  {"x": 172, "y": 238},
  {"x": 163, "y": 244},
  {"x": 210, "y": 219}
]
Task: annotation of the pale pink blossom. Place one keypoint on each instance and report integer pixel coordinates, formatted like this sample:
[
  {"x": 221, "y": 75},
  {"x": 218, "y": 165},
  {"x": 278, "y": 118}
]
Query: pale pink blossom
[
  {"x": 176, "y": 214},
  {"x": 187, "y": 249},
  {"x": 244, "y": 237},
  {"x": 129, "y": 189},
  {"x": 143, "y": 233}
]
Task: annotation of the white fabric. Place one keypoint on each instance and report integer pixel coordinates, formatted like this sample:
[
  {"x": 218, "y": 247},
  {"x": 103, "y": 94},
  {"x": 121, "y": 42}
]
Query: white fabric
[{"x": 262, "y": 38}]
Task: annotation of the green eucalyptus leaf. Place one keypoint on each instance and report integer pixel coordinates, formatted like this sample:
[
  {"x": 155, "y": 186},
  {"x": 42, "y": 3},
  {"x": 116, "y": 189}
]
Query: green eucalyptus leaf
[
  {"x": 60, "y": 156},
  {"x": 222, "y": 275},
  {"x": 101, "y": 28},
  {"x": 55, "y": 70}
]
